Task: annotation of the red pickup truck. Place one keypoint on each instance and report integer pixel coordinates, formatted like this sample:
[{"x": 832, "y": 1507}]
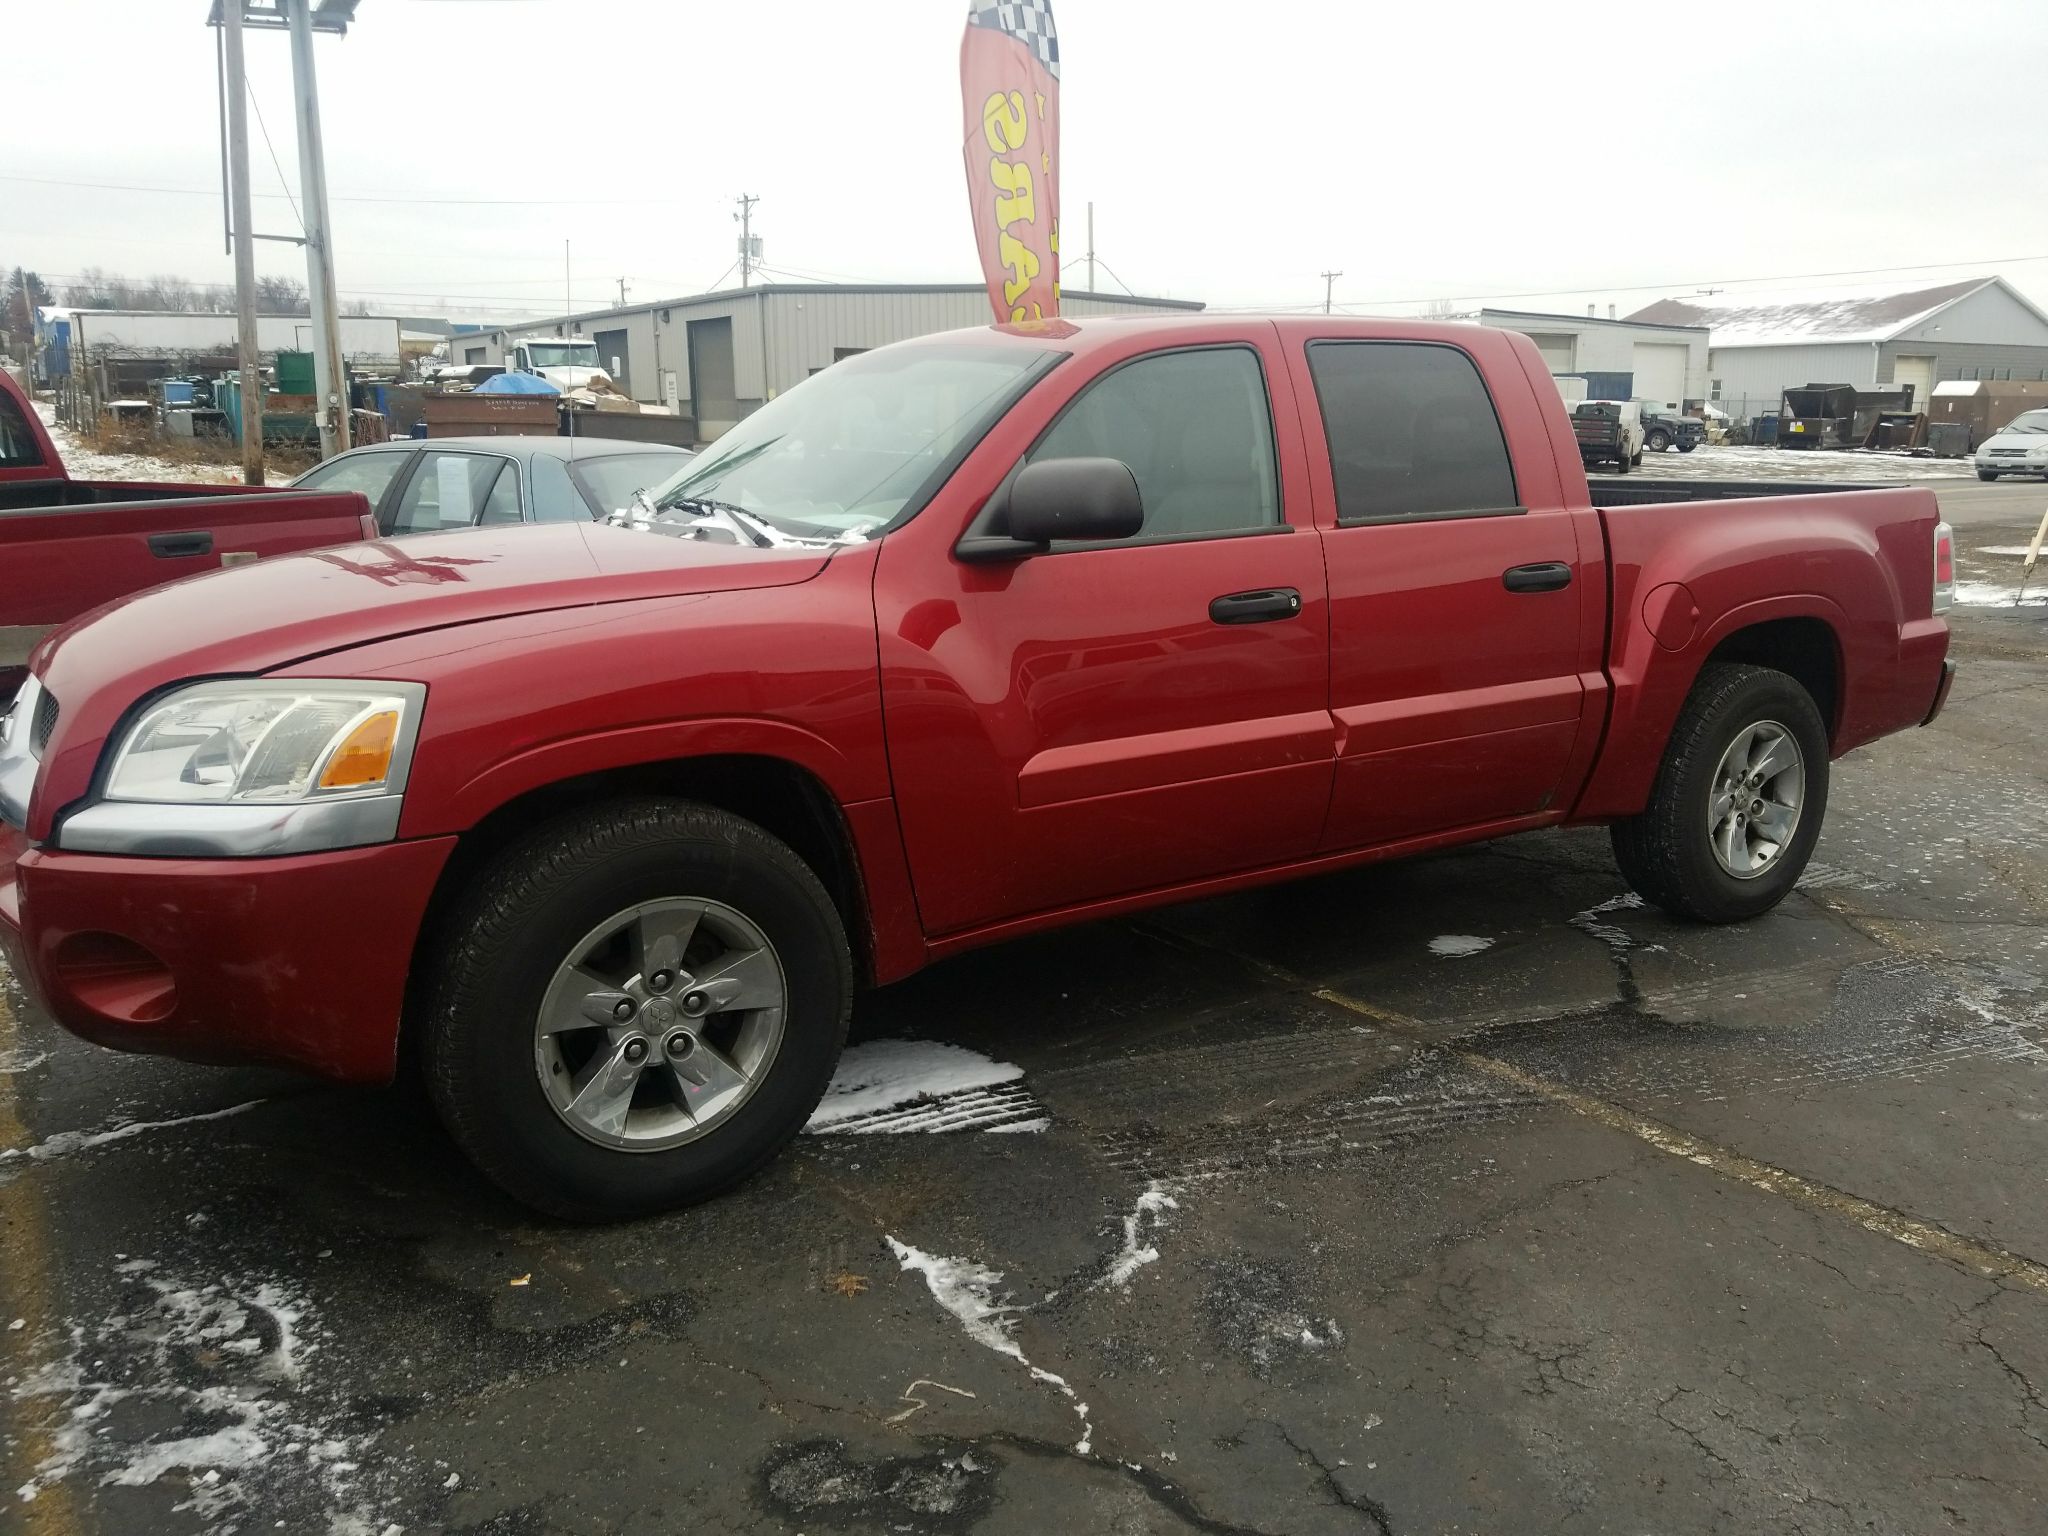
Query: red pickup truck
[
  {"x": 68, "y": 545},
  {"x": 963, "y": 638}
]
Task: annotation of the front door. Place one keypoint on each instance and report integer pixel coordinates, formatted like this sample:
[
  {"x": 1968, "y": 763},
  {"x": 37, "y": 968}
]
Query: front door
[
  {"x": 1101, "y": 719},
  {"x": 1458, "y": 598}
]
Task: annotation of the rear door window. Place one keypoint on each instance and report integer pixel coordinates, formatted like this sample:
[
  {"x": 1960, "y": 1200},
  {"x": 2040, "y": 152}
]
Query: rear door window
[
  {"x": 449, "y": 490},
  {"x": 1412, "y": 432}
]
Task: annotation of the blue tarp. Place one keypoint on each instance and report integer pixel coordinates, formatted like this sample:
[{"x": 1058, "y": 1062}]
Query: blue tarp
[{"x": 516, "y": 384}]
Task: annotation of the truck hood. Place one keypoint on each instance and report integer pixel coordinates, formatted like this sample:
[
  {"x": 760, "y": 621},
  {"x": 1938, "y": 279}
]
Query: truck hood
[{"x": 255, "y": 618}]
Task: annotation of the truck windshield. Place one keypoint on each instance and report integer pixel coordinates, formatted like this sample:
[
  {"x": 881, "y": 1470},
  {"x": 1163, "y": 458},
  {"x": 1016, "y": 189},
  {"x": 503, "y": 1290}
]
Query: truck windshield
[
  {"x": 2032, "y": 421},
  {"x": 843, "y": 452},
  {"x": 559, "y": 354}
]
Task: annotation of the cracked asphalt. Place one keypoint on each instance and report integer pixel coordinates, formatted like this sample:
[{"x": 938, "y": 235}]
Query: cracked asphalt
[{"x": 1584, "y": 1222}]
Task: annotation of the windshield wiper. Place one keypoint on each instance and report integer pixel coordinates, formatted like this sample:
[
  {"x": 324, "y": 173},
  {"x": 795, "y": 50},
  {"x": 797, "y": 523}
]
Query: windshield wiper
[{"x": 744, "y": 524}]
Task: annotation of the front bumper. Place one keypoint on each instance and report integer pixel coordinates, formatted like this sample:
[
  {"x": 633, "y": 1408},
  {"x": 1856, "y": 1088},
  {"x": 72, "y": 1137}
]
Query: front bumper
[
  {"x": 2014, "y": 466},
  {"x": 294, "y": 962}
]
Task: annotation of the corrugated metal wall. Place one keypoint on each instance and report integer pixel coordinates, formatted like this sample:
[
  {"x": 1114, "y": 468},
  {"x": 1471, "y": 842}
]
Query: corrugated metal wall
[
  {"x": 143, "y": 333},
  {"x": 1753, "y": 378},
  {"x": 780, "y": 336}
]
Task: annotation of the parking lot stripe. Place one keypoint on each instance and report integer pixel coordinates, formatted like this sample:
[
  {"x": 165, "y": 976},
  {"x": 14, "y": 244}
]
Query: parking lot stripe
[
  {"x": 25, "y": 1293},
  {"x": 1809, "y": 1194}
]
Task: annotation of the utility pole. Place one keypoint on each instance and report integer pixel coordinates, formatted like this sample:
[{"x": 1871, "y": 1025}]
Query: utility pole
[
  {"x": 330, "y": 376},
  {"x": 1091, "y": 247},
  {"x": 622, "y": 293},
  {"x": 246, "y": 346},
  {"x": 746, "y": 222},
  {"x": 1329, "y": 282},
  {"x": 568, "y": 302}
]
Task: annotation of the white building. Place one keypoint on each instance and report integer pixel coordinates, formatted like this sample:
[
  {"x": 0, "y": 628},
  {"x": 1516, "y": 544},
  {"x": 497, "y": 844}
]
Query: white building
[
  {"x": 721, "y": 355},
  {"x": 1619, "y": 359},
  {"x": 1763, "y": 343}
]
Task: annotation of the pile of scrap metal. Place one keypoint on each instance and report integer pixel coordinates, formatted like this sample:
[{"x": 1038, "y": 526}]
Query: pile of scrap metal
[{"x": 1843, "y": 416}]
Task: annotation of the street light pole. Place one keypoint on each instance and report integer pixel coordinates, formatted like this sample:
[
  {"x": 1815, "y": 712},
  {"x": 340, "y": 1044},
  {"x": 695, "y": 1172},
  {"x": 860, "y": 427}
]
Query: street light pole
[
  {"x": 330, "y": 379},
  {"x": 246, "y": 345}
]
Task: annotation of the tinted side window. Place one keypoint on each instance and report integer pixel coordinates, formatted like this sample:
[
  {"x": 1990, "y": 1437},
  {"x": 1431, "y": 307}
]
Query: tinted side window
[
  {"x": 371, "y": 473},
  {"x": 17, "y": 445},
  {"x": 446, "y": 491},
  {"x": 1195, "y": 428},
  {"x": 1412, "y": 431},
  {"x": 554, "y": 498}
]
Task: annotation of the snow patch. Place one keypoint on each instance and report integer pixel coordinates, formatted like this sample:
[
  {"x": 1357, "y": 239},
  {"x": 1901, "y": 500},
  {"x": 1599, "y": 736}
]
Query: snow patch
[
  {"x": 215, "y": 1370},
  {"x": 1455, "y": 946},
  {"x": 21, "y": 1059},
  {"x": 2019, "y": 551},
  {"x": 1588, "y": 921},
  {"x": 968, "y": 1291},
  {"x": 1991, "y": 594},
  {"x": 900, "y": 1087},
  {"x": 64, "y": 1143},
  {"x": 1147, "y": 1218}
]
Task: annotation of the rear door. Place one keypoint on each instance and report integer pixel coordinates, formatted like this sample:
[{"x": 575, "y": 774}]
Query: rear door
[{"x": 1460, "y": 621}]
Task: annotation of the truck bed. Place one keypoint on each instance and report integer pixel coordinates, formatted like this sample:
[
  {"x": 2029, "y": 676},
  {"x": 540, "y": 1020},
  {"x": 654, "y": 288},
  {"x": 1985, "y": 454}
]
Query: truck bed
[{"x": 1617, "y": 493}]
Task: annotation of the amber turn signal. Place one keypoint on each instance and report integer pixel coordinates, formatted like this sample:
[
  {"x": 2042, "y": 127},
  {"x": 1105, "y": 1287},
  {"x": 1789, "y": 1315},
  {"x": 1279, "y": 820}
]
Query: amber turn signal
[{"x": 364, "y": 756}]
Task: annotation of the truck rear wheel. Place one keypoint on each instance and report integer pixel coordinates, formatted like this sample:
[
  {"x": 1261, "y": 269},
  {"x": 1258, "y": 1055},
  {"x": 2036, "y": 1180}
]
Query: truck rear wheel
[
  {"x": 635, "y": 1007},
  {"x": 1738, "y": 801},
  {"x": 1622, "y": 465}
]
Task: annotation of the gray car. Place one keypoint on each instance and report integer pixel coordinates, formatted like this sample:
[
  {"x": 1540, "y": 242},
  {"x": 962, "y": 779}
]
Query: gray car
[{"x": 429, "y": 485}]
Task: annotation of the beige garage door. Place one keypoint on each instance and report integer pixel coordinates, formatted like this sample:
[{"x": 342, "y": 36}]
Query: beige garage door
[
  {"x": 1918, "y": 372},
  {"x": 1660, "y": 372},
  {"x": 1559, "y": 353}
]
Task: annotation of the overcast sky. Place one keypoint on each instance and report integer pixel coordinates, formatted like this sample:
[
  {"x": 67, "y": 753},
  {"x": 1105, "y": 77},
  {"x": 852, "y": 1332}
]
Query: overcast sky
[{"x": 1533, "y": 154}]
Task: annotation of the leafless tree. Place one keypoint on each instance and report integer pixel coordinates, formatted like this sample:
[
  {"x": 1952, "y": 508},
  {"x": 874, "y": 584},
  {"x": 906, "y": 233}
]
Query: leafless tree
[{"x": 281, "y": 296}]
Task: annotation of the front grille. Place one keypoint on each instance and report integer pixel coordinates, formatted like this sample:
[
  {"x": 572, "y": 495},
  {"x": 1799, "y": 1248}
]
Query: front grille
[{"x": 44, "y": 723}]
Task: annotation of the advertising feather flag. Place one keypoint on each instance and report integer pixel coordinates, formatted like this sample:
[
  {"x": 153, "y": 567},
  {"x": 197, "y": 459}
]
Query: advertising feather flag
[{"x": 1010, "y": 93}]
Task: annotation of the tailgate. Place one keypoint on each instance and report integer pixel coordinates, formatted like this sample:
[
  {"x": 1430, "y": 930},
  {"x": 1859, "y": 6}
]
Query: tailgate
[{"x": 64, "y": 563}]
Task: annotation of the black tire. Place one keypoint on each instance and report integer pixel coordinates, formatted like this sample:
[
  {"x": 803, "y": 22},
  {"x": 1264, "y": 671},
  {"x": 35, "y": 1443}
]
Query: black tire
[
  {"x": 1666, "y": 853},
  {"x": 1637, "y": 461},
  {"x": 521, "y": 916},
  {"x": 1687, "y": 447},
  {"x": 1987, "y": 474},
  {"x": 1658, "y": 440}
]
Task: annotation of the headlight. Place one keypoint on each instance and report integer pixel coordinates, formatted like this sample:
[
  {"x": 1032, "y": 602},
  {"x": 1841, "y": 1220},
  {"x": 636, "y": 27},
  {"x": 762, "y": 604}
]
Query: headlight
[
  {"x": 251, "y": 767},
  {"x": 226, "y": 742}
]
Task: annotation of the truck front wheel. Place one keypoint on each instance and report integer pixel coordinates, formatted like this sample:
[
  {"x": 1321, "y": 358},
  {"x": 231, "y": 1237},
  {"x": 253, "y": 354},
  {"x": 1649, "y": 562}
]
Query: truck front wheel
[
  {"x": 1738, "y": 801},
  {"x": 635, "y": 1007},
  {"x": 1659, "y": 440}
]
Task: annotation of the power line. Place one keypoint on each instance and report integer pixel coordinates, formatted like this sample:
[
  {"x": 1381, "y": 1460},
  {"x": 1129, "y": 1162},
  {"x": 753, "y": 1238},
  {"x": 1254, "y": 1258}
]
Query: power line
[
  {"x": 264, "y": 127},
  {"x": 1539, "y": 293},
  {"x": 343, "y": 197}
]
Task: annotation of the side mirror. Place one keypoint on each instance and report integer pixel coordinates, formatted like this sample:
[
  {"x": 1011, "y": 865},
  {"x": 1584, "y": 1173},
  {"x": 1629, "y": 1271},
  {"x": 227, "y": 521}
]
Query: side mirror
[{"x": 1075, "y": 499}]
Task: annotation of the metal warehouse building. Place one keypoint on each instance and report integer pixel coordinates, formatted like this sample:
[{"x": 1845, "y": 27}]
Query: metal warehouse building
[
  {"x": 720, "y": 355},
  {"x": 1763, "y": 344},
  {"x": 1619, "y": 359}
]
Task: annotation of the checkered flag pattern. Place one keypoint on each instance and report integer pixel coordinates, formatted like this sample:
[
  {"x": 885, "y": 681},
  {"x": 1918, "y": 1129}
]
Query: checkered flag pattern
[{"x": 1029, "y": 21}]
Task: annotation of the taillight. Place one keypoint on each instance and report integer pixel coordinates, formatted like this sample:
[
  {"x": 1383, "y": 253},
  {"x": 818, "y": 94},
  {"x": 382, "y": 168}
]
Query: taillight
[{"x": 1944, "y": 567}]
